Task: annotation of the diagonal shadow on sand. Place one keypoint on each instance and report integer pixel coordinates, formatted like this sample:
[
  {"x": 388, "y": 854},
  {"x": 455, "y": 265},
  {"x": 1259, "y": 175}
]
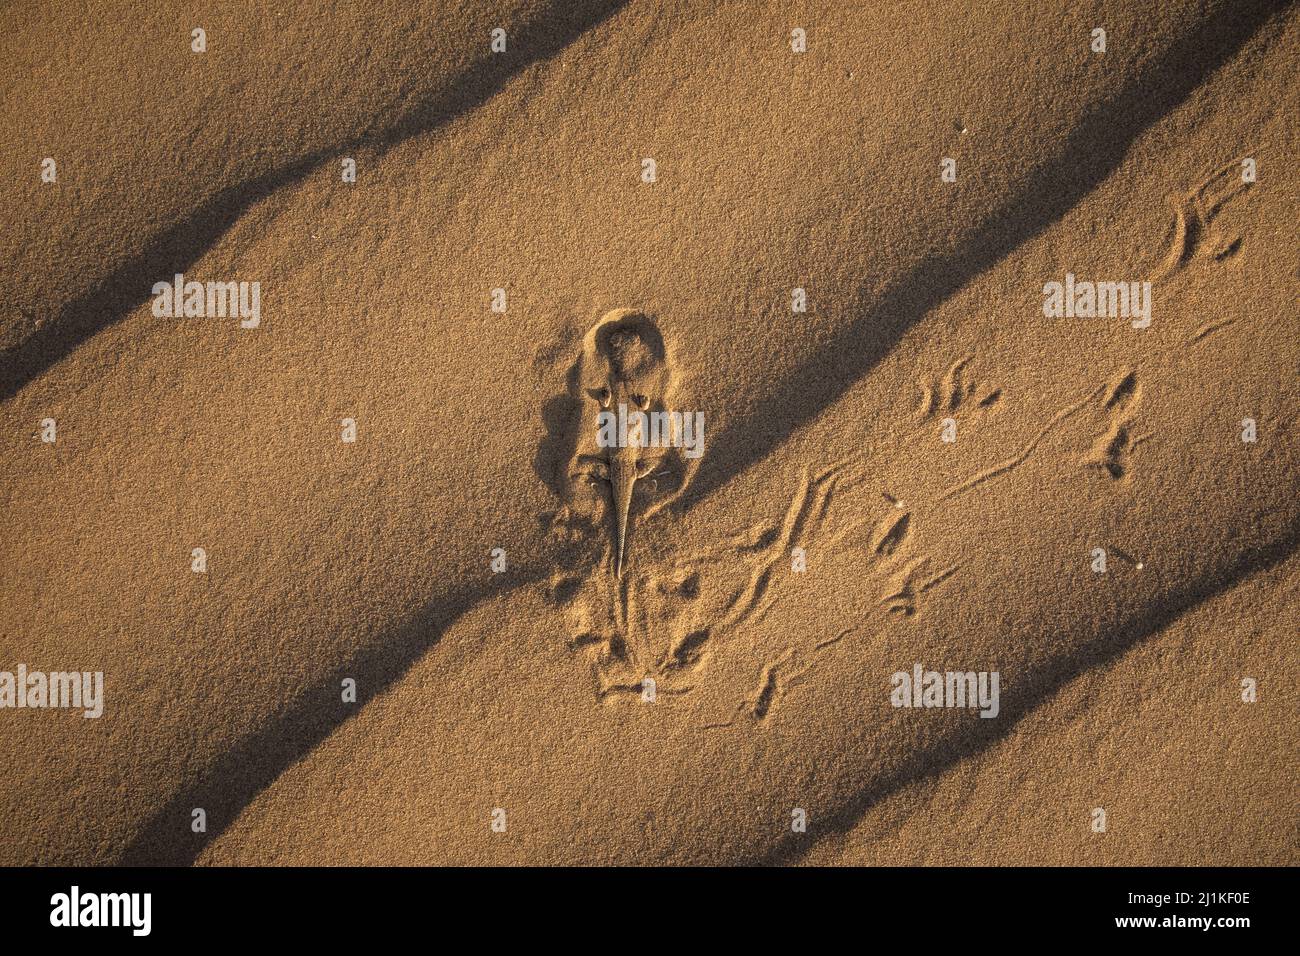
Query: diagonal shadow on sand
[
  {"x": 1043, "y": 683},
  {"x": 1092, "y": 152},
  {"x": 175, "y": 249}
]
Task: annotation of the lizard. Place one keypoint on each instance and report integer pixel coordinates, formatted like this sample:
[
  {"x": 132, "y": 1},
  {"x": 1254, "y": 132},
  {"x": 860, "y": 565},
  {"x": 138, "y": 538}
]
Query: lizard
[{"x": 623, "y": 465}]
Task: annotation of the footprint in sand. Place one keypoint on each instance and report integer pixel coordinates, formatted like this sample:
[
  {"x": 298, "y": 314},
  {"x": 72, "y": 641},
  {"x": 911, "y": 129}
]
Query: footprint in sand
[
  {"x": 1195, "y": 235},
  {"x": 955, "y": 392}
]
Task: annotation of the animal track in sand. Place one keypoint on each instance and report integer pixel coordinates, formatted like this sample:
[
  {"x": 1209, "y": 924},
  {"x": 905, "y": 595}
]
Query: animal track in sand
[
  {"x": 640, "y": 626},
  {"x": 955, "y": 392},
  {"x": 1207, "y": 329},
  {"x": 667, "y": 619},
  {"x": 1194, "y": 235},
  {"x": 1113, "y": 404},
  {"x": 911, "y": 581},
  {"x": 773, "y": 687},
  {"x": 1111, "y": 451}
]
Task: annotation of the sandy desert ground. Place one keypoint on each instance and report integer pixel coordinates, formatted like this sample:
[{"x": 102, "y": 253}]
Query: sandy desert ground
[{"x": 351, "y": 566}]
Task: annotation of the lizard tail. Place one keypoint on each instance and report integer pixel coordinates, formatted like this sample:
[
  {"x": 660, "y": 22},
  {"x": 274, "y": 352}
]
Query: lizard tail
[
  {"x": 622, "y": 538},
  {"x": 622, "y": 479}
]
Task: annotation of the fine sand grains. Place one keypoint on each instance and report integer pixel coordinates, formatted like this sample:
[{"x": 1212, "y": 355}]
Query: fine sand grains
[{"x": 437, "y": 620}]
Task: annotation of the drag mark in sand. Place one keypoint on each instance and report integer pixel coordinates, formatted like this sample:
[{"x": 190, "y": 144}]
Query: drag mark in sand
[
  {"x": 1109, "y": 451},
  {"x": 1208, "y": 329},
  {"x": 1010, "y": 464}
]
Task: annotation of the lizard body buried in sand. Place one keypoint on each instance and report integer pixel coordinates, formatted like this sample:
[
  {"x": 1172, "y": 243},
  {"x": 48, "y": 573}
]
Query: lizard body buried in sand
[
  {"x": 624, "y": 463},
  {"x": 634, "y": 441}
]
